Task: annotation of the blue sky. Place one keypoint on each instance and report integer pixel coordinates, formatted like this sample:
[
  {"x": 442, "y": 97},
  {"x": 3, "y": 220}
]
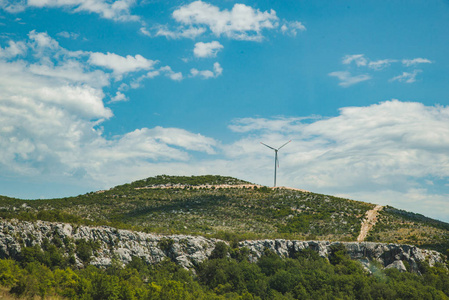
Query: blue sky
[{"x": 98, "y": 93}]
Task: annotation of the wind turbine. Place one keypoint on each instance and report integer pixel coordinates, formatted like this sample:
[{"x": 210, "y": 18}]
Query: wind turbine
[{"x": 276, "y": 161}]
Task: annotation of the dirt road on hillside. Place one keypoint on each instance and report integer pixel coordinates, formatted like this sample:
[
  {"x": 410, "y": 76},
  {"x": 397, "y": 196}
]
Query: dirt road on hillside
[{"x": 368, "y": 223}]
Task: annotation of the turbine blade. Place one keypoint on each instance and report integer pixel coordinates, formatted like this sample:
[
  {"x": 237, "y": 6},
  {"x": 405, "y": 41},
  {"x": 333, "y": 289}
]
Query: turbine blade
[
  {"x": 284, "y": 144},
  {"x": 267, "y": 146}
]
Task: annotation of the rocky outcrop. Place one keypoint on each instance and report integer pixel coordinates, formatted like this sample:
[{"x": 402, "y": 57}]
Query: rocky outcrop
[
  {"x": 189, "y": 251},
  {"x": 387, "y": 255},
  {"x": 113, "y": 243}
]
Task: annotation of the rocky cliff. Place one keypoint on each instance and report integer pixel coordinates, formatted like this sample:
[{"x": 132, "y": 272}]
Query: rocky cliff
[
  {"x": 388, "y": 255},
  {"x": 188, "y": 250}
]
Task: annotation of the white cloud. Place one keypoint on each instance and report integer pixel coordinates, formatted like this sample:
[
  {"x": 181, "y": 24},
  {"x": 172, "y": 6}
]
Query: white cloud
[
  {"x": 145, "y": 31},
  {"x": 12, "y": 7},
  {"x": 292, "y": 28},
  {"x": 242, "y": 22},
  {"x": 72, "y": 71},
  {"x": 41, "y": 41},
  {"x": 181, "y": 32},
  {"x": 381, "y": 64},
  {"x": 415, "y": 61},
  {"x": 207, "y": 49},
  {"x": 218, "y": 70},
  {"x": 166, "y": 70},
  {"x": 182, "y": 138},
  {"x": 206, "y": 74},
  {"x": 346, "y": 79},
  {"x": 51, "y": 114},
  {"x": 14, "y": 49},
  {"x": 69, "y": 35},
  {"x": 272, "y": 125},
  {"x": 284, "y": 28},
  {"x": 121, "y": 65},
  {"x": 159, "y": 144},
  {"x": 119, "y": 96},
  {"x": 177, "y": 76},
  {"x": 407, "y": 77},
  {"x": 359, "y": 60},
  {"x": 117, "y": 10}
]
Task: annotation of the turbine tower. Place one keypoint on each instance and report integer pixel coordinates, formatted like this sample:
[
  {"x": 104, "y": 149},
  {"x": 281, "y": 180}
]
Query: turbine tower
[{"x": 276, "y": 161}]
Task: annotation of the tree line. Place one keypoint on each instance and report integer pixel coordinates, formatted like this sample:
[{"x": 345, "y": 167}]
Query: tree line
[{"x": 226, "y": 274}]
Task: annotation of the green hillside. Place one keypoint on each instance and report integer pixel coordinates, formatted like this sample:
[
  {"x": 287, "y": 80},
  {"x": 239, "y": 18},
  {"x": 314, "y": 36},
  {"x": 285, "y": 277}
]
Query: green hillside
[{"x": 231, "y": 209}]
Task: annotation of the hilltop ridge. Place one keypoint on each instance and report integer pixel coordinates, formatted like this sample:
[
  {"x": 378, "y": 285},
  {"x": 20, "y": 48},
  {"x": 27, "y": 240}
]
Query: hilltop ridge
[{"x": 232, "y": 209}]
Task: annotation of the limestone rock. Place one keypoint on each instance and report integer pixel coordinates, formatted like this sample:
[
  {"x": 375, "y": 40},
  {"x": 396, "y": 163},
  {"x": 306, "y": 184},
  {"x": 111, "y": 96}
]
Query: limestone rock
[{"x": 189, "y": 251}]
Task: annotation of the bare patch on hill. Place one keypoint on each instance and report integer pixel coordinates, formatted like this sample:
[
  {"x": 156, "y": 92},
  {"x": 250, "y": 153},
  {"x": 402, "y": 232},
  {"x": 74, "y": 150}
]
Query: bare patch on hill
[{"x": 368, "y": 223}]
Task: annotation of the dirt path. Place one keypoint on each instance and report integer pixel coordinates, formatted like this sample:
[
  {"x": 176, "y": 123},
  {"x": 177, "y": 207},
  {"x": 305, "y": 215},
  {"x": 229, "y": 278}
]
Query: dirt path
[{"x": 368, "y": 223}]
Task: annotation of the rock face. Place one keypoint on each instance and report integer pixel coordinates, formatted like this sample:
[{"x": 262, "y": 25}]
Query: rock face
[
  {"x": 388, "y": 255},
  {"x": 189, "y": 251},
  {"x": 113, "y": 243}
]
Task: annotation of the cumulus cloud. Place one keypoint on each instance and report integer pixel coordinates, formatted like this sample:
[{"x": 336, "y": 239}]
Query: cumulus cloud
[
  {"x": 159, "y": 144},
  {"x": 52, "y": 110},
  {"x": 241, "y": 22},
  {"x": 180, "y": 32},
  {"x": 166, "y": 70},
  {"x": 119, "y": 96},
  {"x": 206, "y": 74},
  {"x": 292, "y": 27},
  {"x": 407, "y": 77},
  {"x": 358, "y": 59},
  {"x": 207, "y": 49},
  {"x": 346, "y": 79},
  {"x": 381, "y": 64},
  {"x": 13, "y": 49},
  {"x": 182, "y": 138},
  {"x": 69, "y": 35},
  {"x": 117, "y": 10},
  {"x": 177, "y": 76},
  {"x": 121, "y": 65},
  {"x": 42, "y": 43},
  {"x": 262, "y": 124},
  {"x": 415, "y": 61}
]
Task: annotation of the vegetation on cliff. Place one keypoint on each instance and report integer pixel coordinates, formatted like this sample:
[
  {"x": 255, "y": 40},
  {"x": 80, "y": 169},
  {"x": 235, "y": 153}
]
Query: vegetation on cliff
[{"x": 227, "y": 274}]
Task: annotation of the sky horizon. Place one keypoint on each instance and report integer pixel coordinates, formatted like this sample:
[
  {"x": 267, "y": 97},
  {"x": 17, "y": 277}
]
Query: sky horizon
[{"x": 98, "y": 93}]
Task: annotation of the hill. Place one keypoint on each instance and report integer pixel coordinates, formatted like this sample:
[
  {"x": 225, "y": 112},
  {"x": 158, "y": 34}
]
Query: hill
[
  {"x": 231, "y": 209},
  {"x": 282, "y": 244}
]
